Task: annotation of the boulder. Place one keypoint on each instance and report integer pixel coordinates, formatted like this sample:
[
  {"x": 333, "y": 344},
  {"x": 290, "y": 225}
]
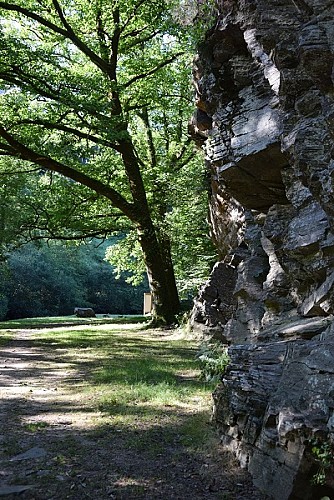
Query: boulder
[{"x": 84, "y": 312}]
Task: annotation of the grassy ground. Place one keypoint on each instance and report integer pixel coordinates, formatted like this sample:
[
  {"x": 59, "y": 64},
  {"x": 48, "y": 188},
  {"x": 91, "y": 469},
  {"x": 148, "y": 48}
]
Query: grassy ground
[
  {"x": 7, "y": 328},
  {"x": 113, "y": 411},
  {"x": 46, "y": 322},
  {"x": 5, "y": 336},
  {"x": 135, "y": 377}
]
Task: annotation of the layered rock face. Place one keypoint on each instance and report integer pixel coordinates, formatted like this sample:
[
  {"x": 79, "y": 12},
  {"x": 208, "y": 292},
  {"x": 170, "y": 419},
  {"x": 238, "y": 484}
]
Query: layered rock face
[{"x": 265, "y": 117}]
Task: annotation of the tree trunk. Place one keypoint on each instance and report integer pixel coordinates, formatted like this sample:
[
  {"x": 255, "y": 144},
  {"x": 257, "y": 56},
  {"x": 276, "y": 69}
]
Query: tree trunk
[
  {"x": 157, "y": 256},
  {"x": 161, "y": 277}
]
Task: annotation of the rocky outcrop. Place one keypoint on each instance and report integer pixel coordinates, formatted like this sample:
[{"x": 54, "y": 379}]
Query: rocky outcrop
[{"x": 264, "y": 85}]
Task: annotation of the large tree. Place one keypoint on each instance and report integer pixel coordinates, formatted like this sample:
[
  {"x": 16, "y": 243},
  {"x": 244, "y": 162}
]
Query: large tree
[{"x": 82, "y": 83}]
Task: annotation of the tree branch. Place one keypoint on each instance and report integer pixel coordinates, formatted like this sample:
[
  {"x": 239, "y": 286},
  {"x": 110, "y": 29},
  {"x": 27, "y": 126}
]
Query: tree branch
[
  {"x": 98, "y": 61},
  {"x": 104, "y": 51},
  {"x": 134, "y": 107},
  {"x": 70, "y": 130},
  {"x": 41, "y": 20},
  {"x": 115, "y": 43},
  {"x": 181, "y": 164},
  {"x": 51, "y": 235},
  {"x": 184, "y": 149},
  {"x": 143, "y": 40},
  {"x": 7, "y": 150},
  {"x": 132, "y": 15},
  {"x": 154, "y": 70},
  {"x": 19, "y": 78},
  {"x": 66, "y": 33},
  {"x": 48, "y": 163},
  {"x": 144, "y": 116}
]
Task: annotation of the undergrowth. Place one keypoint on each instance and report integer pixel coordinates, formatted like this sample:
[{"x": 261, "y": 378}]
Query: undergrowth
[
  {"x": 213, "y": 358},
  {"x": 323, "y": 453}
]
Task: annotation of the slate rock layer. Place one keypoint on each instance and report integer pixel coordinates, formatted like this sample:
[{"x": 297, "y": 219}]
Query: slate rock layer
[{"x": 264, "y": 85}]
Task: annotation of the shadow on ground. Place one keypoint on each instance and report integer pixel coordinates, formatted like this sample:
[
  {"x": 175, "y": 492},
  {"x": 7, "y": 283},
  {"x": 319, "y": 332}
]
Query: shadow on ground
[{"x": 76, "y": 448}]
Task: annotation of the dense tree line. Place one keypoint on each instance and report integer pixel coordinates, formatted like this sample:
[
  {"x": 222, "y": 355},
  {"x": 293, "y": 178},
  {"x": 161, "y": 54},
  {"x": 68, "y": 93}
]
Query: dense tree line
[{"x": 50, "y": 280}]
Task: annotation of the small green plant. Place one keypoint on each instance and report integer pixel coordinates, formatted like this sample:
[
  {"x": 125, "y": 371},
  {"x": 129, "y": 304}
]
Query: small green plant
[
  {"x": 36, "y": 426},
  {"x": 213, "y": 358},
  {"x": 60, "y": 459},
  {"x": 323, "y": 453}
]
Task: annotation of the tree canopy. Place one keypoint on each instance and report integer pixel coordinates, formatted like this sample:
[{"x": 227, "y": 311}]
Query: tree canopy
[{"x": 95, "y": 99}]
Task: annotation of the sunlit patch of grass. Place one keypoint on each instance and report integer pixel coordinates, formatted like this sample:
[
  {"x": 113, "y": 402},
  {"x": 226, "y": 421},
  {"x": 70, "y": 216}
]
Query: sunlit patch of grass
[
  {"x": 160, "y": 394},
  {"x": 146, "y": 385},
  {"x": 35, "y": 426},
  {"x": 5, "y": 336},
  {"x": 46, "y": 322},
  {"x": 155, "y": 387},
  {"x": 134, "y": 488},
  {"x": 132, "y": 367}
]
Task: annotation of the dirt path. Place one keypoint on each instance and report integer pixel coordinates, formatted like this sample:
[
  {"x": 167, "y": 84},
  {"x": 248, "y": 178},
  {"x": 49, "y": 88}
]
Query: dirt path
[{"x": 55, "y": 445}]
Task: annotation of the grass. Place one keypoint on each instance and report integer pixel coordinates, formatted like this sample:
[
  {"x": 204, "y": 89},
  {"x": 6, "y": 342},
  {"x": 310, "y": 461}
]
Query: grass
[
  {"x": 36, "y": 426},
  {"x": 5, "y": 336},
  {"x": 144, "y": 384},
  {"x": 46, "y": 322}
]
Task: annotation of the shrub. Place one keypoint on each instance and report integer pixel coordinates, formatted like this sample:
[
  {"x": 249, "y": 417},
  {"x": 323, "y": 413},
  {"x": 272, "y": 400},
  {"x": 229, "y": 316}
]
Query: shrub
[{"x": 213, "y": 358}]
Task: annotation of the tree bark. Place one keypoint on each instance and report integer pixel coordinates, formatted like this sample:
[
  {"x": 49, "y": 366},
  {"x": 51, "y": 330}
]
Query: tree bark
[
  {"x": 156, "y": 251},
  {"x": 161, "y": 277}
]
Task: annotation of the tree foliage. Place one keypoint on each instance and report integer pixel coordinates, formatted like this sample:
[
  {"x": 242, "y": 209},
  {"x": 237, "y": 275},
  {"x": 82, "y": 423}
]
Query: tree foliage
[{"x": 94, "y": 108}]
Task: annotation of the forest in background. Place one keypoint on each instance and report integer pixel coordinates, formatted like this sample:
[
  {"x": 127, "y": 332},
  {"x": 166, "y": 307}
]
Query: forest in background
[{"x": 51, "y": 280}]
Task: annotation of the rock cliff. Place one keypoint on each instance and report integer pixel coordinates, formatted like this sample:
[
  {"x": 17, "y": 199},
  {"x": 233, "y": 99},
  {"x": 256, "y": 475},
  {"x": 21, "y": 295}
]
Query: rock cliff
[{"x": 265, "y": 117}]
